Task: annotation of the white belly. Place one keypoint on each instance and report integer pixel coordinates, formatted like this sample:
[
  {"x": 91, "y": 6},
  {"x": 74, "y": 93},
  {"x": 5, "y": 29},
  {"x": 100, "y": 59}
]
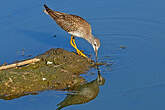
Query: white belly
[{"x": 75, "y": 33}]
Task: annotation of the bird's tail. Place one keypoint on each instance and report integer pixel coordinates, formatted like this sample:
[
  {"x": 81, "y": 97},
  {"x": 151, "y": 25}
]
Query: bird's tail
[
  {"x": 50, "y": 12},
  {"x": 46, "y": 7},
  {"x": 47, "y": 10}
]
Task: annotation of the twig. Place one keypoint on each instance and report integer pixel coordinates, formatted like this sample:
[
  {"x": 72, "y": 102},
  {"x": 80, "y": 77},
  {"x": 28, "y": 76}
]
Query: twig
[{"x": 19, "y": 64}]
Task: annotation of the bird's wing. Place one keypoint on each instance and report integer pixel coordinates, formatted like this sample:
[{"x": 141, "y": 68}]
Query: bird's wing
[{"x": 66, "y": 21}]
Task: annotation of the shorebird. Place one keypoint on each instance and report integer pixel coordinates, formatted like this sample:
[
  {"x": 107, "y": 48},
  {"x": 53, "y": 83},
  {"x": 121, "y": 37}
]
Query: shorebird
[{"x": 76, "y": 26}]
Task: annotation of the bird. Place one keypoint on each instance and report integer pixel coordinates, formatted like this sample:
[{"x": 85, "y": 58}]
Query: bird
[
  {"x": 76, "y": 26},
  {"x": 83, "y": 93}
]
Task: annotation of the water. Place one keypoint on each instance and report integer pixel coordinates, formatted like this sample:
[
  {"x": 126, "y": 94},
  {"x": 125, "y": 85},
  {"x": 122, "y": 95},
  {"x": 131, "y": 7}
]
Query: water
[{"x": 136, "y": 80}]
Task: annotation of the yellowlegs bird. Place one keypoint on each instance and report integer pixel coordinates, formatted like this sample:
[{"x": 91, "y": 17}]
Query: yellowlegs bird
[{"x": 76, "y": 26}]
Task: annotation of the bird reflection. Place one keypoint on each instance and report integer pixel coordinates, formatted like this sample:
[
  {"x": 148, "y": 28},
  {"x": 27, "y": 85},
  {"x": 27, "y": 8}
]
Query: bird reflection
[{"x": 84, "y": 93}]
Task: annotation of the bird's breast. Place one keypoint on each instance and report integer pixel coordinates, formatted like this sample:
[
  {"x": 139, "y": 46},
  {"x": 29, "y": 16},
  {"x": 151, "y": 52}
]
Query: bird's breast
[{"x": 76, "y": 33}]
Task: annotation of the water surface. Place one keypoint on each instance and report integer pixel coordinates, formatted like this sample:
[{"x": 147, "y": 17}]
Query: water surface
[{"x": 136, "y": 80}]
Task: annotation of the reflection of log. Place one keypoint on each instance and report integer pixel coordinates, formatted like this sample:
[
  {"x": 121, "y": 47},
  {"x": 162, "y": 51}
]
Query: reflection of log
[{"x": 55, "y": 69}]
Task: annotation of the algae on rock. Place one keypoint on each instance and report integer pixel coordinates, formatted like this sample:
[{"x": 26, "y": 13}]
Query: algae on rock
[{"x": 57, "y": 69}]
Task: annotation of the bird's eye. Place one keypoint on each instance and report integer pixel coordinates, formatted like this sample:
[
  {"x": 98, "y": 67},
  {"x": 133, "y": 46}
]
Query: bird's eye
[{"x": 94, "y": 44}]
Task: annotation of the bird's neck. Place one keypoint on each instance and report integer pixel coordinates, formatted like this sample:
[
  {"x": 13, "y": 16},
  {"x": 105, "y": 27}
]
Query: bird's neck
[{"x": 90, "y": 38}]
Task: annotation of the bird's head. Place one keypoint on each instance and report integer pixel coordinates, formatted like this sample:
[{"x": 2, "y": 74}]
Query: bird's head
[{"x": 96, "y": 45}]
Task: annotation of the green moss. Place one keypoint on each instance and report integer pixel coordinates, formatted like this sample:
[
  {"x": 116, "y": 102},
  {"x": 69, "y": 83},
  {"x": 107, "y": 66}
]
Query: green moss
[{"x": 57, "y": 69}]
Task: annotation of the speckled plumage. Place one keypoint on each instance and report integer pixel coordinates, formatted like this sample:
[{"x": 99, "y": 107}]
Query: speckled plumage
[{"x": 70, "y": 23}]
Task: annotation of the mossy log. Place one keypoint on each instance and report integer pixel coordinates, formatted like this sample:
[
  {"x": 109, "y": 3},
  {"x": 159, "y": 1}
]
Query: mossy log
[{"x": 55, "y": 69}]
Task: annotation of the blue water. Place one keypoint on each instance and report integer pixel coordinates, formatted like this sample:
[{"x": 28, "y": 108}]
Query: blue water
[{"x": 135, "y": 81}]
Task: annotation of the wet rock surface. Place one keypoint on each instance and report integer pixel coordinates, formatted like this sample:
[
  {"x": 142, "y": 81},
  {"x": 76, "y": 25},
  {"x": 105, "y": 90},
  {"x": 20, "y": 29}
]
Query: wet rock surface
[{"x": 57, "y": 69}]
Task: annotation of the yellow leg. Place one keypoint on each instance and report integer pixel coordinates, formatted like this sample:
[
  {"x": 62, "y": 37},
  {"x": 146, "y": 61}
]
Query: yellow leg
[{"x": 72, "y": 42}]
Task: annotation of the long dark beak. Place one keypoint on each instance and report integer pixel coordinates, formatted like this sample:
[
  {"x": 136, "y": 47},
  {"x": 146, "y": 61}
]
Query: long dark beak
[{"x": 96, "y": 53}]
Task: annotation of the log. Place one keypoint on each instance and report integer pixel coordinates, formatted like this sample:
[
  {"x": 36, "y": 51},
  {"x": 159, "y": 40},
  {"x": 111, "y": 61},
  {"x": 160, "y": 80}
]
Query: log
[{"x": 19, "y": 64}]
